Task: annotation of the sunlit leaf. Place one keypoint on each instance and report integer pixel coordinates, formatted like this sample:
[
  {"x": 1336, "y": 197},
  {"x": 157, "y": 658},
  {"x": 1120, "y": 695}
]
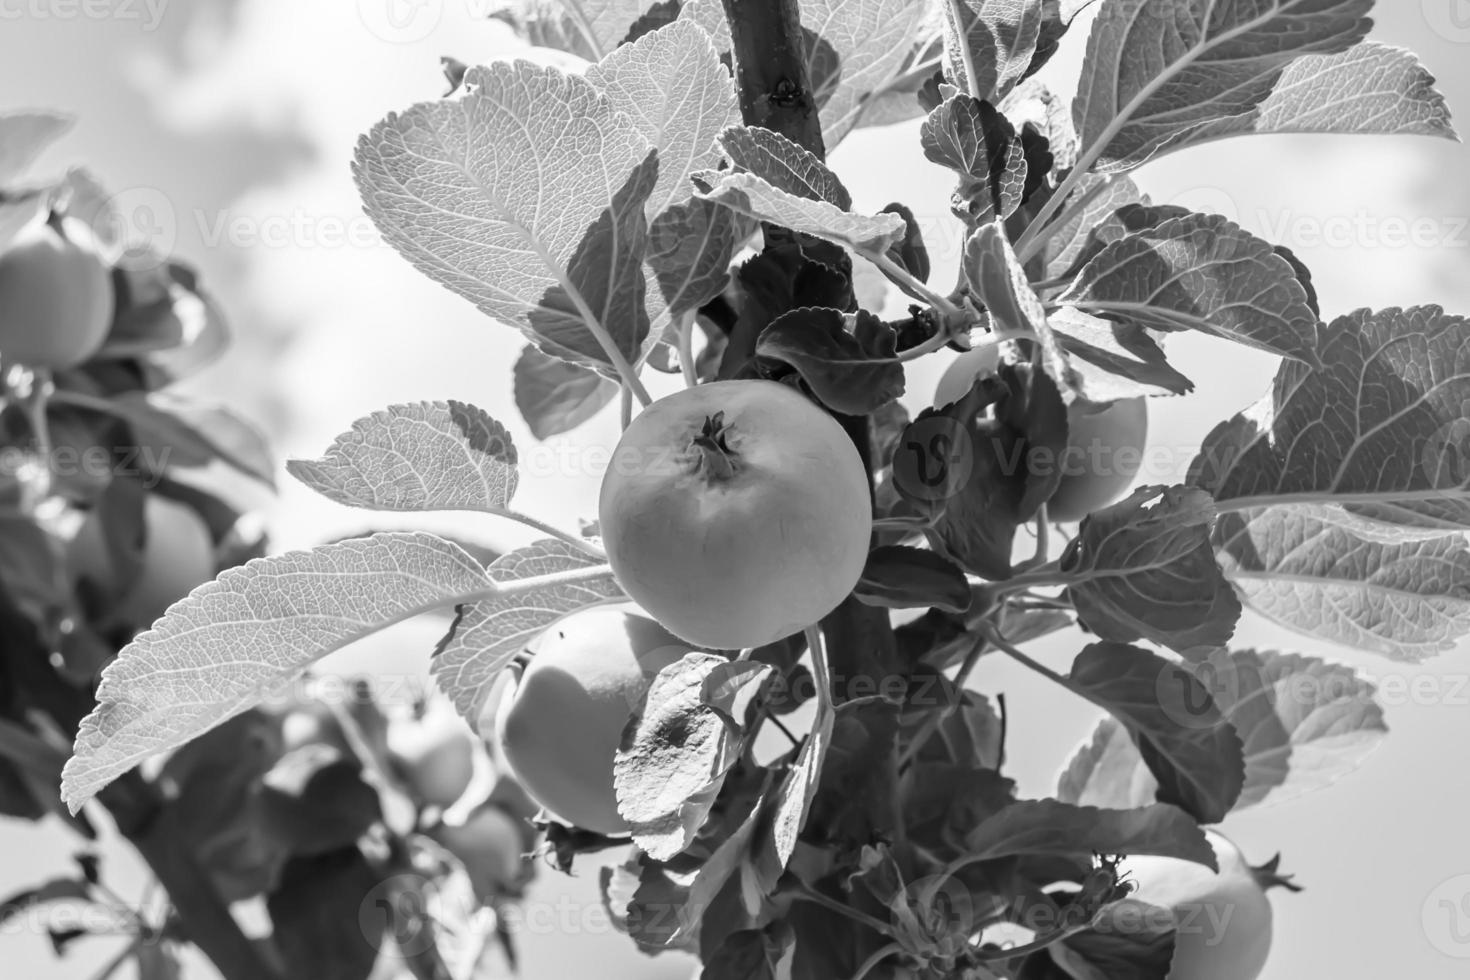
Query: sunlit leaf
[{"x": 752, "y": 196}]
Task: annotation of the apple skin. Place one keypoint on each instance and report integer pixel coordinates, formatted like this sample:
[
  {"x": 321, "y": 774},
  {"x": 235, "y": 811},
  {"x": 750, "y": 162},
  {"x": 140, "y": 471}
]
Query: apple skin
[
  {"x": 434, "y": 755},
  {"x": 178, "y": 555},
  {"x": 56, "y": 295},
  {"x": 1104, "y": 448},
  {"x": 491, "y": 844}
]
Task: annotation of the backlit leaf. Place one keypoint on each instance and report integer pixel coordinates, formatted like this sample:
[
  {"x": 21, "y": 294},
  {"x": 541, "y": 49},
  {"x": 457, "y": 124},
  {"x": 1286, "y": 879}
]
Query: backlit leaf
[
  {"x": 233, "y": 642},
  {"x": 525, "y": 196},
  {"x": 492, "y": 630},
  {"x": 1112, "y": 360},
  {"x": 1382, "y": 429},
  {"x": 784, "y": 165},
  {"x": 1306, "y": 568},
  {"x": 871, "y": 39},
  {"x": 1155, "y": 75},
  {"x": 555, "y": 396},
  {"x": 417, "y": 457},
  {"x": 752, "y": 196},
  {"x": 1201, "y": 272},
  {"x": 990, "y": 43},
  {"x": 980, "y": 145}
]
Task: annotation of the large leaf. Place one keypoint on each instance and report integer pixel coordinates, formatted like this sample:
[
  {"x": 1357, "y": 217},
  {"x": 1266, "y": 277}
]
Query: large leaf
[
  {"x": 1190, "y": 747},
  {"x": 672, "y": 87},
  {"x": 1149, "y": 572},
  {"x": 850, "y": 372},
  {"x": 989, "y": 44},
  {"x": 555, "y": 396},
  {"x": 871, "y": 39},
  {"x": 590, "y": 28},
  {"x": 525, "y": 196},
  {"x": 1381, "y": 428},
  {"x": 489, "y": 632},
  {"x": 758, "y": 199},
  {"x": 237, "y": 640},
  {"x": 1113, "y": 360},
  {"x": 1157, "y": 75},
  {"x": 1306, "y": 568},
  {"x": 1303, "y": 723},
  {"x": 417, "y": 457},
  {"x": 1201, "y": 272}
]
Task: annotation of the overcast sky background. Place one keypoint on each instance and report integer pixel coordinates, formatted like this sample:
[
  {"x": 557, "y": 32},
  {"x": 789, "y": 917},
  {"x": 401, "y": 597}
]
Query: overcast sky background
[{"x": 231, "y": 123}]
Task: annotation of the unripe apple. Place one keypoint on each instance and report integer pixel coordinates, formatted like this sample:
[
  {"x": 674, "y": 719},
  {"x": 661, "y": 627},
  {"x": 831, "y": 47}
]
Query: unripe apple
[
  {"x": 434, "y": 755},
  {"x": 56, "y": 297},
  {"x": 491, "y": 845}
]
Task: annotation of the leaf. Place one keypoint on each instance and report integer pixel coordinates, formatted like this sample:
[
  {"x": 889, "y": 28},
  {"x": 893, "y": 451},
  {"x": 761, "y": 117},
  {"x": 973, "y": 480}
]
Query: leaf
[
  {"x": 1112, "y": 361},
  {"x": 555, "y": 396},
  {"x": 1141, "y": 572},
  {"x": 1138, "y": 944},
  {"x": 751, "y": 196},
  {"x": 489, "y": 632},
  {"x": 1154, "y": 79},
  {"x": 1304, "y": 723},
  {"x": 784, "y": 165},
  {"x": 158, "y": 960},
  {"x": 1045, "y": 827},
  {"x": 671, "y": 85},
  {"x": 1201, "y": 272},
  {"x": 314, "y": 801},
  {"x": 975, "y": 141},
  {"x": 1380, "y": 429},
  {"x": 55, "y": 890},
  {"x": 1369, "y": 88},
  {"x": 852, "y": 373},
  {"x": 674, "y": 755},
  {"x": 791, "y": 805},
  {"x": 233, "y": 642},
  {"x": 992, "y": 40},
  {"x": 1191, "y": 749},
  {"x": 417, "y": 457},
  {"x": 24, "y": 136},
  {"x": 1306, "y": 568},
  {"x": 871, "y": 40},
  {"x": 591, "y": 28},
  {"x": 1095, "y": 224},
  {"x": 995, "y": 276},
  {"x": 181, "y": 432},
  {"x": 525, "y": 196},
  {"x": 899, "y": 577}
]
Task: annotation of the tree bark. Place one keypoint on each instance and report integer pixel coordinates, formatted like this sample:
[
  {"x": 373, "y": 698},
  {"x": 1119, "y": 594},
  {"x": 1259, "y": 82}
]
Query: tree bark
[{"x": 771, "y": 70}]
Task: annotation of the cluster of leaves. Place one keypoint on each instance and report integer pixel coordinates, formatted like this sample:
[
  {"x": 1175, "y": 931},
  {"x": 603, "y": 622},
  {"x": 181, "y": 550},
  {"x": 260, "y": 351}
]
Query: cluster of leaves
[
  {"x": 306, "y": 825},
  {"x": 604, "y": 212}
]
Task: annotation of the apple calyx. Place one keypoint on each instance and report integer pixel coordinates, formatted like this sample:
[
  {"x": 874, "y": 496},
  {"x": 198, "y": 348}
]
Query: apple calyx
[
  {"x": 1267, "y": 877},
  {"x": 718, "y": 456}
]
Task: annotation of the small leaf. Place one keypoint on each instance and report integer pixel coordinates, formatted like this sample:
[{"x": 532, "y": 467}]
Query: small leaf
[
  {"x": 995, "y": 276},
  {"x": 975, "y": 141},
  {"x": 1308, "y": 568},
  {"x": 791, "y": 805},
  {"x": 417, "y": 457},
  {"x": 490, "y": 631},
  {"x": 1380, "y": 429},
  {"x": 525, "y": 196},
  {"x": 899, "y": 577},
  {"x": 1192, "y": 750},
  {"x": 1151, "y": 82},
  {"x": 852, "y": 373},
  {"x": 1144, "y": 572},
  {"x": 1095, "y": 225},
  {"x": 1136, "y": 944},
  {"x": 910, "y": 254},
  {"x": 784, "y": 165},
  {"x": 751, "y": 196},
  {"x": 330, "y": 914},
  {"x": 180, "y": 432},
  {"x": 1200, "y": 272},
  {"x": 1114, "y": 360},
  {"x": 235, "y": 641},
  {"x": 1046, "y": 827},
  {"x": 555, "y": 396},
  {"x": 674, "y": 755}
]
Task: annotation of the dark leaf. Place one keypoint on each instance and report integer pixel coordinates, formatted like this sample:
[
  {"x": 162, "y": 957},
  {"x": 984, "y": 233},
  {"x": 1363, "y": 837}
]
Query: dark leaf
[
  {"x": 556, "y": 396},
  {"x": 314, "y": 800},
  {"x": 852, "y": 373},
  {"x": 1050, "y": 827},
  {"x": 979, "y": 144},
  {"x": 330, "y": 913},
  {"x": 899, "y": 577}
]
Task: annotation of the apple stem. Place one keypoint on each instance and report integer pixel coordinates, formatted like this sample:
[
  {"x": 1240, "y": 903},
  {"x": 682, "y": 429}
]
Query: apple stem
[
  {"x": 1267, "y": 877},
  {"x": 717, "y": 453}
]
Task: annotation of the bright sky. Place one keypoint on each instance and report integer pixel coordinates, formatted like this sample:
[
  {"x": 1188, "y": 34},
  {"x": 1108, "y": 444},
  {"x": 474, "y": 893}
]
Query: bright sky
[{"x": 238, "y": 123}]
